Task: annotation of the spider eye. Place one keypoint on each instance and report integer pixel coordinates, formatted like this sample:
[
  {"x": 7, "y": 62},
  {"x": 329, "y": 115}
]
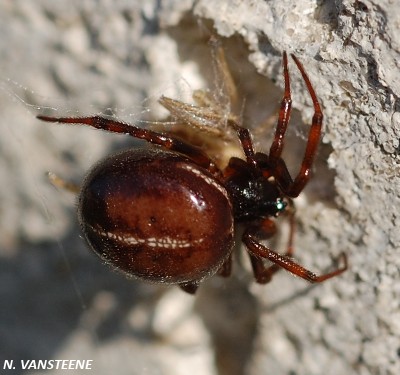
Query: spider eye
[{"x": 280, "y": 205}]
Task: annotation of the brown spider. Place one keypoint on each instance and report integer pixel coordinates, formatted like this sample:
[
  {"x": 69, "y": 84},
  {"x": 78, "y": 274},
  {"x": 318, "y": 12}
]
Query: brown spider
[{"x": 168, "y": 214}]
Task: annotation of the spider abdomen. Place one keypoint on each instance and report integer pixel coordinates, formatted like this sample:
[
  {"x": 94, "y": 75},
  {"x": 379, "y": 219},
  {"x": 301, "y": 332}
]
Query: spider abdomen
[{"x": 156, "y": 215}]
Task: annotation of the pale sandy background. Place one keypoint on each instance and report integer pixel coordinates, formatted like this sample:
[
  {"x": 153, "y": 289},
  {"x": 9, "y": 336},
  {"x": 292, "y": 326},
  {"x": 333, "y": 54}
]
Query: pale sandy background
[{"x": 80, "y": 57}]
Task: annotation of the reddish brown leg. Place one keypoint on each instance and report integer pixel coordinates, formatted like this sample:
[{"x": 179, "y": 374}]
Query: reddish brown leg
[
  {"x": 160, "y": 139},
  {"x": 293, "y": 188},
  {"x": 284, "y": 116},
  {"x": 245, "y": 140},
  {"x": 258, "y": 252},
  {"x": 266, "y": 230},
  {"x": 226, "y": 268}
]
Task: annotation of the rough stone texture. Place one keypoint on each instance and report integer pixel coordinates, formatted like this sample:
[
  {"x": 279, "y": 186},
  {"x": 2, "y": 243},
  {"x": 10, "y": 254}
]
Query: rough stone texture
[{"x": 80, "y": 57}]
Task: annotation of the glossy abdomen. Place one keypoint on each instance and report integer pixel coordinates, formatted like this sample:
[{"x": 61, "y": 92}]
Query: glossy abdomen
[{"x": 156, "y": 215}]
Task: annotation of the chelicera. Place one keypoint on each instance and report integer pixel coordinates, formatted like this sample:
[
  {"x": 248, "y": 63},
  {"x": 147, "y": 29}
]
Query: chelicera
[{"x": 168, "y": 213}]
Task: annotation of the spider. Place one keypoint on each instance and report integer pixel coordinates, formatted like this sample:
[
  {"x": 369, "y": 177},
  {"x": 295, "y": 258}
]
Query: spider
[{"x": 168, "y": 213}]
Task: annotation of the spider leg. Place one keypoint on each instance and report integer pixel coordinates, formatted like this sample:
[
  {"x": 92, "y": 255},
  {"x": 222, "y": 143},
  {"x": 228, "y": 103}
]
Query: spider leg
[
  {"x": 245, "y": 140},
  {"x": 265, "y": 230},
  {"x": 293, "y": 188},
  {"x": 284, "y": 116},
  {"x": 258, "y": 252},
  {"x": 226, "y": 268},
  {"x": 164, "y": 140}
]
